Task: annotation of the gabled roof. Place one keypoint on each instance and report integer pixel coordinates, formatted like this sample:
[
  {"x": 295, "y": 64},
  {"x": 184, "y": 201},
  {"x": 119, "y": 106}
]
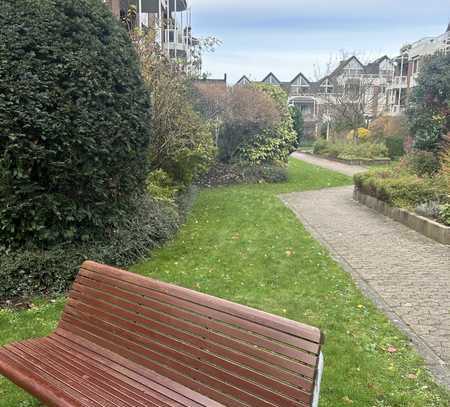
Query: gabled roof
[
  {"x": 374, "y": 67},
  {"x": 302, "y": 76},
  {"x": 244, "y": 78},
  {"x": 324, "y": 79},
  {"x": 342, "y": 66},
  {"x": 269, "y": 75}
]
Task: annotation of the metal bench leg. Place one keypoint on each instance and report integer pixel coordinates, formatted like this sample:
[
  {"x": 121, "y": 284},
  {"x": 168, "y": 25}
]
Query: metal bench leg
[{"x": 318, "y": 380}]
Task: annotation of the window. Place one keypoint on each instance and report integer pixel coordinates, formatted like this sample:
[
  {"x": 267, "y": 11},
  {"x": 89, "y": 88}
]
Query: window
[
  {"x": 415, "y": 67},
  {"x": 326, "y": 86},
  {"x": 300, "y": 86}
]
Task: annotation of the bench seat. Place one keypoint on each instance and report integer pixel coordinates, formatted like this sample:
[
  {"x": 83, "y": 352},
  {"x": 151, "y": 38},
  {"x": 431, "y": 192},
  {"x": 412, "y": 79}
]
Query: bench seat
[
  {"x": 65, "y": 370},
  {"x": 125, "y": 340}
]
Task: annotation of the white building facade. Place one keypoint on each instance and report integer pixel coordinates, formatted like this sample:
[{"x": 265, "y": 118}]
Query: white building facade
[
  {"x": 408, "y": 66},
  {"x": 171, "y": 19}
]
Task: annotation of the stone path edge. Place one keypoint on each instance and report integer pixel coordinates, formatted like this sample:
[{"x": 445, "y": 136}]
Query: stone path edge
[
  {"x": 424, "y": 226},
  {"x": 433, "y": 362}
]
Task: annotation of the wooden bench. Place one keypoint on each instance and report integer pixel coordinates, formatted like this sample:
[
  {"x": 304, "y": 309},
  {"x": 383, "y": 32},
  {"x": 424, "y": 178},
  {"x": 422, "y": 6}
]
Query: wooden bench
[{"x": 126, "y": 340}]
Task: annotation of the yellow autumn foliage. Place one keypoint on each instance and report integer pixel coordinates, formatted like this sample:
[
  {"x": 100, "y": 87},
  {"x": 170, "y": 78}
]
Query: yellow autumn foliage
[{"x": 363, "y": 134}]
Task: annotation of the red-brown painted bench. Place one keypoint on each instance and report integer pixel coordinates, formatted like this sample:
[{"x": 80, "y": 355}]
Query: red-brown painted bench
[{"x": 125, "y": 340}]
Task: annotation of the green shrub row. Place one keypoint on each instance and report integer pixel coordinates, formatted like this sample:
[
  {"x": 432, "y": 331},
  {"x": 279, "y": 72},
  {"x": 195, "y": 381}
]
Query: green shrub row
[
  {"x": 422, "y": 163},
  {"x": 395, "y": 146},
  {"x": 405, "y": 190},
  {"x": 242, "y": 173},
  {"x": 350, "y": 150},
  {"x": 28, "y": 272}
]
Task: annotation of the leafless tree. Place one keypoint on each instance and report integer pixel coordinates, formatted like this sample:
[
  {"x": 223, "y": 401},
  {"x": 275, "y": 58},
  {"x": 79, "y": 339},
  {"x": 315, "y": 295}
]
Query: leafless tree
[{"x": 351, "y": 104}]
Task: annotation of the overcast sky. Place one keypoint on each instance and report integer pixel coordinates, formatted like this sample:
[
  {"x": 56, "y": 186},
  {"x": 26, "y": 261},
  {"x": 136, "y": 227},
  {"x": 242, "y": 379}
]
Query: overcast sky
[{"x": 291, "y": 36}]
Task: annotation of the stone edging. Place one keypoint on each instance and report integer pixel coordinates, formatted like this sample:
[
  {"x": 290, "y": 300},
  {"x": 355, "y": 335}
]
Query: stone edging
[
  {"x": 361, "y": 163},
  {"x": 425, "y": 226}
]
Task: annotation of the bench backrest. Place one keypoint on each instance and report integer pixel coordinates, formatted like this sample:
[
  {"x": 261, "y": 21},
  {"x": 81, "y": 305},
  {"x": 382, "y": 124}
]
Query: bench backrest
[{"x": 230, "y": 353}]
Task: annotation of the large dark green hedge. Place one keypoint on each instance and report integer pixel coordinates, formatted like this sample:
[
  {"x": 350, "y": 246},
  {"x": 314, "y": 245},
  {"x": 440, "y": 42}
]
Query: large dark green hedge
[{"x": 73, "y": 121}]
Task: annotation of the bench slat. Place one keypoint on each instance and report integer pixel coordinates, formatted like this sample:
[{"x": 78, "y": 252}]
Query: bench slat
[
  {"x": 275, "y": 352},
  {"x": 121, "y": 376},
  {"x": 57, "y": 385},
  {"x": 140, "y": 373},
  {"x": 194, "y": 334},
  {"x": 274, "y": 336},
  {"x": 193, "y": 357},
  {"x": 158, "y": 329},
  {"x": 242, "y": 313},
  {"x": 204, "y": 377},
  {"x": 113, "y": 389},
  {"x": 36, "y": 384}
]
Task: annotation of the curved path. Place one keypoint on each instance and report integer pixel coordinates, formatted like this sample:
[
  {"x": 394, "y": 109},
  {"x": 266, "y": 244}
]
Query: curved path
[
  {"x": 403, "y": 272},
  {"x": 345, "y": 169}
]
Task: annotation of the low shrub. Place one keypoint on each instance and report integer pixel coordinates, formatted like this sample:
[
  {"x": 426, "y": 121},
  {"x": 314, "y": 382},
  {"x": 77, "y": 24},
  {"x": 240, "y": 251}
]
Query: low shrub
[
  {"x": 444, "y": 214},
  {"x": 320, "y": 147},
  {"x": 27, "y": 272},
  {"x": 366, "y": 151},
  {"x": 422, "y": 163},
  {"x": 350, "y": 151},
  {"x": 404, "y": 190},
  {"x": 395, "y": 146},
  {"x": 242, "y": 173}
]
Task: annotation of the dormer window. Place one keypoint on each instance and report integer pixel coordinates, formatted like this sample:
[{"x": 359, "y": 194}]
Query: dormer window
[
  {"x": 300, "y": 85},
  {"x": 326, "y": 87}
]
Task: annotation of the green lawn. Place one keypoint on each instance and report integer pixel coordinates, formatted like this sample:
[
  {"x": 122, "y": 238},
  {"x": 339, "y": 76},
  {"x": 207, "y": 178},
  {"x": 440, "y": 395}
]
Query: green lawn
[{"x": 243, "y": 244}]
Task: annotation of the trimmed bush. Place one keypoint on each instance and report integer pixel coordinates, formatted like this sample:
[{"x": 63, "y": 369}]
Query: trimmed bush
[
  {"x": 395, "y": 146},
  {"x": 29, "y": 272},
  {"x": 350, "y": 151},
  {"x": 273, "y": 144},
  {"x": 74, "y": 122},
  {"x": 401, "y": 189},
  {"x": 422, "y": 163}
]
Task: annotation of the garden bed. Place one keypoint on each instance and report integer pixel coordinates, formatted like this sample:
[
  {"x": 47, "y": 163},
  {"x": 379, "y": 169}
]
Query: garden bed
[
  {"x": 363, "y": 153},
  {"x": 364, "y": 162},
  {"x": 425, "y": 226},
  {"x": 418, "y": 199}
]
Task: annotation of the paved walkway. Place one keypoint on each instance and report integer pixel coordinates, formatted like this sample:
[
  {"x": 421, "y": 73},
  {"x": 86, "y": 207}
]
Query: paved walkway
[
  {"x": 403, "y": 272},
  {"x": 331, "y": 165}
]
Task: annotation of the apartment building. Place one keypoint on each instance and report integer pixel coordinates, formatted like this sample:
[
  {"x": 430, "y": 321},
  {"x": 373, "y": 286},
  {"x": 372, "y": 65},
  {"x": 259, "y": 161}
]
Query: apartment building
[
  {"x": 387, "y": 83},
  {"x": 171, "y": 19},
  {"x": 408, "y": 65},
  {"x": 313, "y": 98}
]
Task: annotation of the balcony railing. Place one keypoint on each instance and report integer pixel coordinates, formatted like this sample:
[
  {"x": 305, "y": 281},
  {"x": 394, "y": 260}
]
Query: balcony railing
[
  {"x": 397, "y": 109},
  {"x": 175, "y": 39},
  {"x": 399, "y": 82}
]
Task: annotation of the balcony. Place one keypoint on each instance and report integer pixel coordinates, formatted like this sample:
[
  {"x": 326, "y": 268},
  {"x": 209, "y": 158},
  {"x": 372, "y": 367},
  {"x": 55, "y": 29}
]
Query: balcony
[
  {"x": 396, "y": 110},
  {"x": 176, "y": 40},
  {"x": 152, "y": 6},
  {"x": 399, "y": 82}
]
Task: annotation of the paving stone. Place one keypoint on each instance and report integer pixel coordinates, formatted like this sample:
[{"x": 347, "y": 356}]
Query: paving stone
[
  {"x": 408, "y": 272},
  {"x": 331, "y": 165}
]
